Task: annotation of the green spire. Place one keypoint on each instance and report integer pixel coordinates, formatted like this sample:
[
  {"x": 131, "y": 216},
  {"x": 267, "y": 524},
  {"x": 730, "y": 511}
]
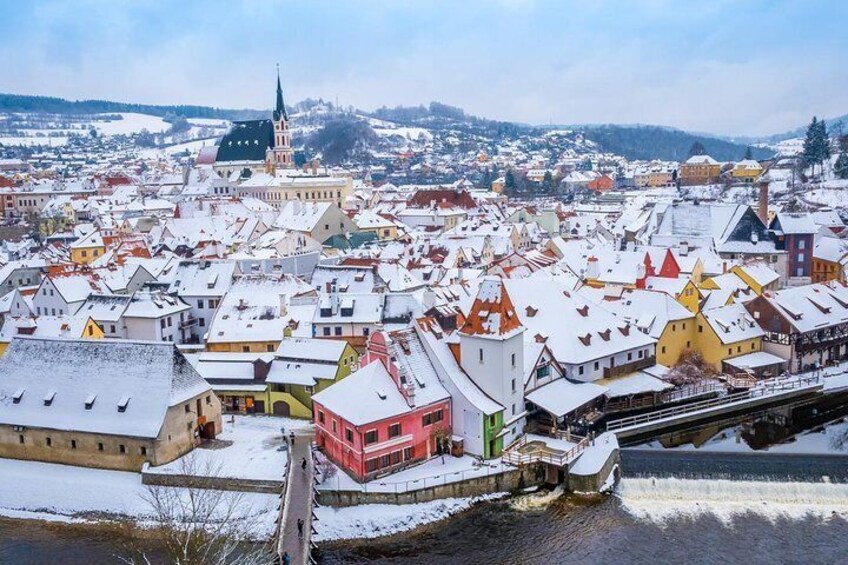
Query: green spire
[{"x": 280, "y": 109}]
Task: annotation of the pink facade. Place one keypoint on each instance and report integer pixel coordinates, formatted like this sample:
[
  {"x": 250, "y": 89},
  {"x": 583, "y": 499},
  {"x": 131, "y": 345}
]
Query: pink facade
[{"x": 383, "y": 446}]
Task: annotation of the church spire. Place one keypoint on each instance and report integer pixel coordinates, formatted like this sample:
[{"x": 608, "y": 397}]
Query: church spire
[{"x": 280, "y": 109}]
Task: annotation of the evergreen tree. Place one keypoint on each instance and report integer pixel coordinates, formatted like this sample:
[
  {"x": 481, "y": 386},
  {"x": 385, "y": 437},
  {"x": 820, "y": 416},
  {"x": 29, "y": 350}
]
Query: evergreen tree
[
  {"x": 816, "y": 144},
  {"x": 697, "y": 149},
  {"x": 548, "y": 183},
  {"x": 810, "y": 155},
  {"x": 509, "y": 182},
  {"x": 841, "y": 166},
  {"x": 748, "y": 154}
]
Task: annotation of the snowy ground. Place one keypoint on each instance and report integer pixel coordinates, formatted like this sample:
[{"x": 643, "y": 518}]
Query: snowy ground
[
  {"x": 375, "y": 520},
  {"x": 254, "y": 450},
  {"x": 436, "y": 471},
  {"x": 74, "y": 494},
  {"x": 131, "y": 123}
]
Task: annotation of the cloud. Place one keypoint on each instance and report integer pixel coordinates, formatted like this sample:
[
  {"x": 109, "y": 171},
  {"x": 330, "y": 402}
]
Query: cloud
[{"x": 752, "y": 68}]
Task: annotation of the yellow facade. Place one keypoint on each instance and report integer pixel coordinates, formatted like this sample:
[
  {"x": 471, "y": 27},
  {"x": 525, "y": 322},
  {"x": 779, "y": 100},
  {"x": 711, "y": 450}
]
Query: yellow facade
[
  {"x": 244, "y": 346},
  {"x": 85, "y": 255},
  {"x": 714, "y": 351},
  {"x": 690, "y": 297},
  {"x": 677, "y": 337}
]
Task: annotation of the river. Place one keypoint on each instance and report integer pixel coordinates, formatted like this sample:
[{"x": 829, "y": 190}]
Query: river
[{"x": 717, "y": 498}]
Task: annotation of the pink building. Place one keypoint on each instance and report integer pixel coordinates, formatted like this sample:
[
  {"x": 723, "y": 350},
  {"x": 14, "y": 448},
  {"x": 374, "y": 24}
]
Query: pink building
[{"x": 391, "y": 413}]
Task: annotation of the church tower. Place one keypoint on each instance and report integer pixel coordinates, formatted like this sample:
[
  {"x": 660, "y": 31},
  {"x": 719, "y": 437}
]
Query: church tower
[{"x": 282, "y": 154}]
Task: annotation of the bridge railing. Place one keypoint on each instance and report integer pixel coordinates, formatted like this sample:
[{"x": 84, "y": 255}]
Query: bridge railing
[
  {"x": 543, "y": 454},
  {"x": 766, "y": 388}
]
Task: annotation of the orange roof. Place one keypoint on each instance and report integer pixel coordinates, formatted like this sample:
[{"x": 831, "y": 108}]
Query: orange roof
[{"x": 492, "y": 314}]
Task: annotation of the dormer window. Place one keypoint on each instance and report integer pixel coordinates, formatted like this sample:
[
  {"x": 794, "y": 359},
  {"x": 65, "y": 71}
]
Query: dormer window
[
  {"x": 19, "y": 394},
  {"x": 89, "y": 401},
  {"x": 123, "y": 403},
  {"x": 48, "y": 398}
]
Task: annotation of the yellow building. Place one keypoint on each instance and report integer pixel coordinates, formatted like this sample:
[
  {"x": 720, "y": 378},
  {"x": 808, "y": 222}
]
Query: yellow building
[
  {"x": 371, "y": 222},
  {"x": 727, "y": 332},
  {"x": 71, "y": 327},
  {"x": 699, "y": 169},
  {"x": 759, "y": 278},
  {"x": 88, "y": 248},
  {"x": 746, "y": 171},
  {"x": 280, "y": 383}
]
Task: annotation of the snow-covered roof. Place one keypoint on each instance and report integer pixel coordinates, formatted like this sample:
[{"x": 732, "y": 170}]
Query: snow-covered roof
[
  {"x": 327, "y": 350},
  {"x": 86, "y": 381},
  {"x": 368, "y": 395},
  {"x": 813, "y": 306},
  {"x": 492, "y": 313},
  {"x": 563, "y": 396},
  {"x": 733, "y": 323}
]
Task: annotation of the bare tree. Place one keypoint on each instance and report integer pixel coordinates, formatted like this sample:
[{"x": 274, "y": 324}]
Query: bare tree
[
  {"x": 691, "y": 368},
  {"x": 200, "y": 524}
]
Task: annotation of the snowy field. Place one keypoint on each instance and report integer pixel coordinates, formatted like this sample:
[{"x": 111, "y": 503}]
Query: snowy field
[
  {"x": 254, "y": 450},
  {"x": 63, "y": 493}
]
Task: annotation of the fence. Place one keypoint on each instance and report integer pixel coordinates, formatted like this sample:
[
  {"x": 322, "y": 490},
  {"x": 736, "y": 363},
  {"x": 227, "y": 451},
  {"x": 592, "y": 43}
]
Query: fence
[
  {"x": 766, "y": 388},
  {"x": 543, "y": 454},
  {"x": 420, "y": 483}
]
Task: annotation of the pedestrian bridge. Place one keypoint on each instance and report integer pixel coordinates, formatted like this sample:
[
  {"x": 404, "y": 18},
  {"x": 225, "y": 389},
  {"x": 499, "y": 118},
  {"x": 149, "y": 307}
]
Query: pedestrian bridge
[{"x": 297, "y": 501}]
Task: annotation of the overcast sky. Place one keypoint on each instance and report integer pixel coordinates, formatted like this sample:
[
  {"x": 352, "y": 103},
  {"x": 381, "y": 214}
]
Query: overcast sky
[{"x": 739, "y": 67}]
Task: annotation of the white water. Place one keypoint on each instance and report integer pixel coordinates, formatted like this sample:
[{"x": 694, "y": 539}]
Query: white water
[
  {"x": 536, "y": 500},
  {"x": 661, "y": 500}
]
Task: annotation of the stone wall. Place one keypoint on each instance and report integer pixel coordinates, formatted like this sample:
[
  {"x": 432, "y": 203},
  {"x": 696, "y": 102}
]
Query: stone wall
[
  {"x": 590, "y": 484},
  {"x": 217, "y": 483},
  {"x": 510, "y": 481}
]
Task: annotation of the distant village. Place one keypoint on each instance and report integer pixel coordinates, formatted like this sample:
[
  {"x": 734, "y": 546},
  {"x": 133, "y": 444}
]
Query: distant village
[{"x": 147, "y": 299}]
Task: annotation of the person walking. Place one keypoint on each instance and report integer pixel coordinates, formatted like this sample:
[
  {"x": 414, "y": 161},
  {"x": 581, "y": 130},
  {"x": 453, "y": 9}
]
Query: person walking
[
  {"x": 300, "y": 528},
  {"x": 291, "y": 439},
  {"x": 286, "y": 558},
  {"x": 303, "y": 464}
]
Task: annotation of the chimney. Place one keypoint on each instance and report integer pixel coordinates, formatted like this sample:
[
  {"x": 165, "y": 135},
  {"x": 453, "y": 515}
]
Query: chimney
[
  {"x": 283, "y": 305},
  {"x": 593, "y": 270},
  {"x": 762, "y": 201}
]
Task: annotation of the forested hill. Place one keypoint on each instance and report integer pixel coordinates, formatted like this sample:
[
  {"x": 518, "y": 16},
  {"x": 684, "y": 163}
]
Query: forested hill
[
  {"x": 653, "y": 142},
  {"x": 51, "y": 105}
]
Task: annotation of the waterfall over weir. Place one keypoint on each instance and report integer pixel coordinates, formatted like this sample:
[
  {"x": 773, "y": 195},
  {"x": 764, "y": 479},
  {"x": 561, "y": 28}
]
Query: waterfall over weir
[{"x": 663, "y": 499}]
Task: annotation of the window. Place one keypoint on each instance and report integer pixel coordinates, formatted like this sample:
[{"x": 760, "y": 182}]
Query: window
[
  {"x": 395, "y": 457},
  {"x": 99, "y": 447},
  {"x": 384, "y": 461},
  {"x": 394, "y": 430},
  {"x": 348, "y": 435},
  {"x": 663, "y": 348},
  {"x": 481, "y": 355},
  {"x": 427, "y": 419},
  {"x": 371, "y": 436},
  {"x": 200, "y": 303},
  {"x": 371, "y": 465},
  {"x": 513, "y": 385},
  {"x": 580, "y": 370},
  {"x": 122, "y": 448},
  {"x": 269, "y": 348},
  {"x": 641, "y": 354},
  {"x": 513, "y": 364},
  {"x": 596, "y": 365},
  {"x": 338, "y": 330},
  {"x": 21, "y": 439},
  {"x": 321, "y": 417},
  {"x": 49, "y": 442},
  {"x": 629, "y": 355},
  {"x": 326, "y": 331},
  {"x": 407, "y": 453},
  {"x": 366, "y": 331},
  {"x": 245, "y": 349},
  {"x": 674, "y": 327},
  {"x": 143, "y": 451},
  {"x": 700, "y": 328},
  {"x": 334, "y": 426},
  {"x": 187, "y": 408},
  {"x": 802, "y": 244}
]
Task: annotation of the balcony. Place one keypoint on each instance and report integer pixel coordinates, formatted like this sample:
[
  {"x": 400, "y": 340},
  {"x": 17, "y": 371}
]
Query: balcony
[
  {"x": 631, "y": 367},
  {"x": 188, "y": 322}
]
